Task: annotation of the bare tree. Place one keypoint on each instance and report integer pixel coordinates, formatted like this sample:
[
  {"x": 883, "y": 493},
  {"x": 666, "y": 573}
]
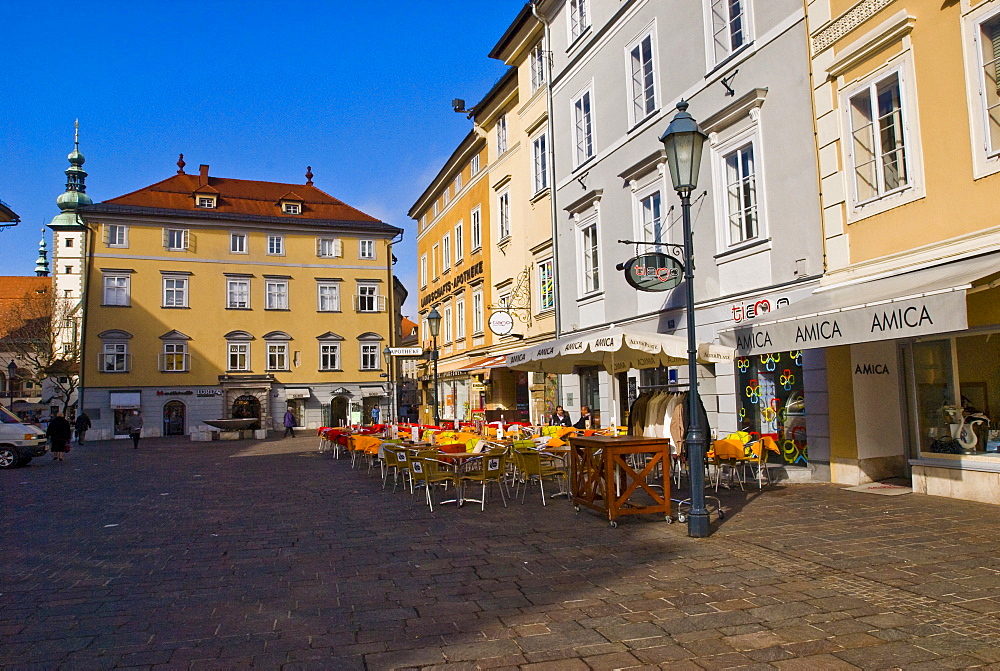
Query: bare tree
[{"x": 42, "y": 332}]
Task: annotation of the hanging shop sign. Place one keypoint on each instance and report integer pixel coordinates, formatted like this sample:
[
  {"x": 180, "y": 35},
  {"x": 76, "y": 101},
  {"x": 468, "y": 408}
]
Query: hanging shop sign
[
  {"x": 501, "y": 323},
  {"x": 655, "y": 271}
]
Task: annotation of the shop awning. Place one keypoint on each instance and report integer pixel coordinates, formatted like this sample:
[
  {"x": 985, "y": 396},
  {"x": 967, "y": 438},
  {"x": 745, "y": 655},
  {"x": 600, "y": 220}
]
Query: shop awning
[
  {"x": 296, "y": 393},
  {"x": 616, "y": 350},
  {"x": 489, "y": 362},
  {"x": 920, "y": 302}
]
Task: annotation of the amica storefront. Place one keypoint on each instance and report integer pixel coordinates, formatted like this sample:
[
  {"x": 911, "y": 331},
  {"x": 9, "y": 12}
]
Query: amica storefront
[{"x": 913, "y": 365}]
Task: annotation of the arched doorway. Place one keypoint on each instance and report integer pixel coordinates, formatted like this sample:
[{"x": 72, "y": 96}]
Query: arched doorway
[
  {"x": 173, "y": 418},
  {"x": 247, "y": 406},
  {"x": 338, "y": 411}
]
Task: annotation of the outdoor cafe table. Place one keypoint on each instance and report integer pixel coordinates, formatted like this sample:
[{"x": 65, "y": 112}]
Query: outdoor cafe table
[
  {"x": 602, "y": 479},
  {"x": 460, "y": 459}
]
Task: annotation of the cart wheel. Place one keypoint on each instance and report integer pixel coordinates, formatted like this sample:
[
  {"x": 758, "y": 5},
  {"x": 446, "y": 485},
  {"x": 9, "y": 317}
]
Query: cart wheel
[
  {"x": 668, "y": 519},
  {"x": 682, "y": 518},
  {"x": 614, "y": 525},
  {"x": 721, "y": 514}
]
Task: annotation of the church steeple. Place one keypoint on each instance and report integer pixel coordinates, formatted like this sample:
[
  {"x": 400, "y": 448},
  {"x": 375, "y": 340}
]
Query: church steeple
[
  {"x": 42, "y": 263},
  {"x": 75, "y": 195}
]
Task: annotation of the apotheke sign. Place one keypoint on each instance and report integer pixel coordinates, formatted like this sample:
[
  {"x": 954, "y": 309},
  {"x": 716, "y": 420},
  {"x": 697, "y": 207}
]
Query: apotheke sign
[{"x": 461, "y": 278}]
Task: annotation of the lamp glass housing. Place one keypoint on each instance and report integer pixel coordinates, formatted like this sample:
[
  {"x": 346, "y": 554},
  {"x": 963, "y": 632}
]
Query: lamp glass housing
[
  {"x": 683, "y": 141},
  {"x": 434, "y": 322}
]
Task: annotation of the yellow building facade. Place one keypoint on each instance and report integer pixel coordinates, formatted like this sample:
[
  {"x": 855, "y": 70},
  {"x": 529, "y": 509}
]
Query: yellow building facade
[
  {"x": 907, "y": 101},
  {"x": 214, "y": 298}
]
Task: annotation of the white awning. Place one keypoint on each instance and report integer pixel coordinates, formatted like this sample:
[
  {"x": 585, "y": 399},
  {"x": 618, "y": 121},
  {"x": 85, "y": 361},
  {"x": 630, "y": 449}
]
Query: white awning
[
  {"x": 125, "y": 400},
  {"x": 296, "y": 393},
  {"x": 616, "y": 350},
  {"x": 920, "y": 302}
]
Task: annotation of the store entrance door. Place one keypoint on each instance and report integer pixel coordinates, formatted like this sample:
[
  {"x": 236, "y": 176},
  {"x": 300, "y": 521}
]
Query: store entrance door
[
  {"x": 173, "y": 418},
  {"x": 338, "y": 411}
]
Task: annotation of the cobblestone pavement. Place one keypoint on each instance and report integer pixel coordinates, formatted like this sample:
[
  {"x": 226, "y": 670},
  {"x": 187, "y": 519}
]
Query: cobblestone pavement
[{"x": 232, "y": 555}]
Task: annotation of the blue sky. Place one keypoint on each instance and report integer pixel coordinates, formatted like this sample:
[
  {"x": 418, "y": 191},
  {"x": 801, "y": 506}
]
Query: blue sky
[{"x": 360, "y": 91}]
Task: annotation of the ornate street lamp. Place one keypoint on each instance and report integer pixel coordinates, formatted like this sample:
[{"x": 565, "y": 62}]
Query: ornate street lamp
[
  {"x": 683, "y": 141},
  {"x": 434, "y": 324}
]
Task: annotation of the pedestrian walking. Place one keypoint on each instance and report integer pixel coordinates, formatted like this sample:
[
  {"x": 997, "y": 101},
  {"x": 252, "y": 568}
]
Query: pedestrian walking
[
  {"x": 289, "y": 423},
  {"x": 82, "y": 425},
  {"x": 59, "y": 433},
  {"x": 134, "y": 424}
]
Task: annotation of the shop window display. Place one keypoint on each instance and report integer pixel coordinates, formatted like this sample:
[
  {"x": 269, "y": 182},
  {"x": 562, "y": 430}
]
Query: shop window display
[{"x": 772, "y": 402}]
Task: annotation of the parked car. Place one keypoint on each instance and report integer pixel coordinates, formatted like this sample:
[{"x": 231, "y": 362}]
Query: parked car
[{"x": 19, "y": 442}]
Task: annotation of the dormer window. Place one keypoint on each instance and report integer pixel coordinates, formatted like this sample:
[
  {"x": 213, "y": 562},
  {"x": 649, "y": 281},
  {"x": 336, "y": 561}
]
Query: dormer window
[
  {"x": 207, "y": 202},
  {"x": 291, "y": 203}
]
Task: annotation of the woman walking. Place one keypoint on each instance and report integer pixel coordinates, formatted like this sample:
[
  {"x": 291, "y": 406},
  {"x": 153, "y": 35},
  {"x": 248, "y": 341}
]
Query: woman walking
[
  {"x": 59, "y": 433},
  {"x": 289, "y": 423},
  {"x": 134, "y": 424}
]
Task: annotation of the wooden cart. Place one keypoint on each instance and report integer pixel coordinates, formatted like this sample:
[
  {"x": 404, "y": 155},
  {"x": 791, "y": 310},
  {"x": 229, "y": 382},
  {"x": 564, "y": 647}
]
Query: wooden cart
[{"x": 601, "y": 477}]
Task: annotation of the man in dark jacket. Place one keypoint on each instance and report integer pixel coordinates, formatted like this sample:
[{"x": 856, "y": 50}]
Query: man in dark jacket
[
  {"x": 561, "y": 418},
  {"x": 585, "y": 420},
  {"x": 82, "y": 424}
]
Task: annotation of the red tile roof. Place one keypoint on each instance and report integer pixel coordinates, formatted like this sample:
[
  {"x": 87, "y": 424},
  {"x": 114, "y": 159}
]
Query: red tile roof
[
  {"x": 240, "y": 197},
  {"x": 13, "y": 291}
]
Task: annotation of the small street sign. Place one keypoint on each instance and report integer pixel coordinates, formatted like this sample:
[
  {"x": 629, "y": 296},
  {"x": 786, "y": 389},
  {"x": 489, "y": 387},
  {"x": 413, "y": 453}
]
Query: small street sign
[{"x": 405, "y": 351}]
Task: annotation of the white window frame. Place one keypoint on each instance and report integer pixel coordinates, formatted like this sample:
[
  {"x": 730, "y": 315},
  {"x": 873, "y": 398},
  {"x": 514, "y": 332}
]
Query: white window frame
[
  {"x": 474, "y": 165},
  {"x": 368, "y": 299},
  {"x": 123, "y": 288},
  {"x": 713, "y": 28},
  {"x": 501, "y": 130},
  {"x": 423, "y": 270},
  {"x": 540, "y": 162},
  {"x": 205, "y": 202},
  {"x": 175, "y": 291},
  {"x": 460, "y": 319},
  {"x": 329, "y": 248},
  {"x": 643, "y": 86},
  {"x": 328, "y": 292},
  {"x": 333, "y": 351},
  {"x": 503, "y": 216},
  {"x": 116, "y": 351},
  {"x": 446, "y": 252},
  {"x": 594, "y": 285},
  {"x": 448, "y": 322},
  {"x": 369, "y": 355},
  {"x": 276, "y": 294},
  {"x": 736, "y": 153},
  {"x": 239, "y": 243},
  {"x": 241, "y": 350},
  {"x": 232, "y": 282},
  {"x": 640, "y": 196},
  {"x": 435, "y": 255},
  {"x": 458, "y": 182},
  {"x": 366, "y": 249},
  {"x": 459, "y": 242},
  {"x": 985, "y": 158},
  {"x": 176, "y": 239},
  {"x": 581, "y": 110},
  {"x": 291, "y": 208},
  {"x": 546, "y": 303},
  {"x": 476, "y": 219},
  {"x": 749, "y": 136},
  {"x": 578, "y": 19},
  {"x": 174, "y": 357},
  {"x": 901, "y": 67},
  {"x": 478, "y": 315},
  {"x": 276, "y": 358},
  {"x": 537, "y": 66},
  {"x": 276, "y": 245},
  {"x": 116, "y": 235}
]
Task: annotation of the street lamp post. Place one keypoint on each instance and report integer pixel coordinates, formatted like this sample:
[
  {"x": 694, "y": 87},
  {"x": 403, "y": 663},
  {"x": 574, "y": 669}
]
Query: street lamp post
[
  {"x": 434, "y": 324},
  {"x": 387, "y": 355},
  {"x": 683, "y": 141},
  {"x": 11, "y": 373}
]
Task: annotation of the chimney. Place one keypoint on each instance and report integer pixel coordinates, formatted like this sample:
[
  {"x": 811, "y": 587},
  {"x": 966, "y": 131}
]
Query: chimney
[{"x": 203, "y": 175}]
